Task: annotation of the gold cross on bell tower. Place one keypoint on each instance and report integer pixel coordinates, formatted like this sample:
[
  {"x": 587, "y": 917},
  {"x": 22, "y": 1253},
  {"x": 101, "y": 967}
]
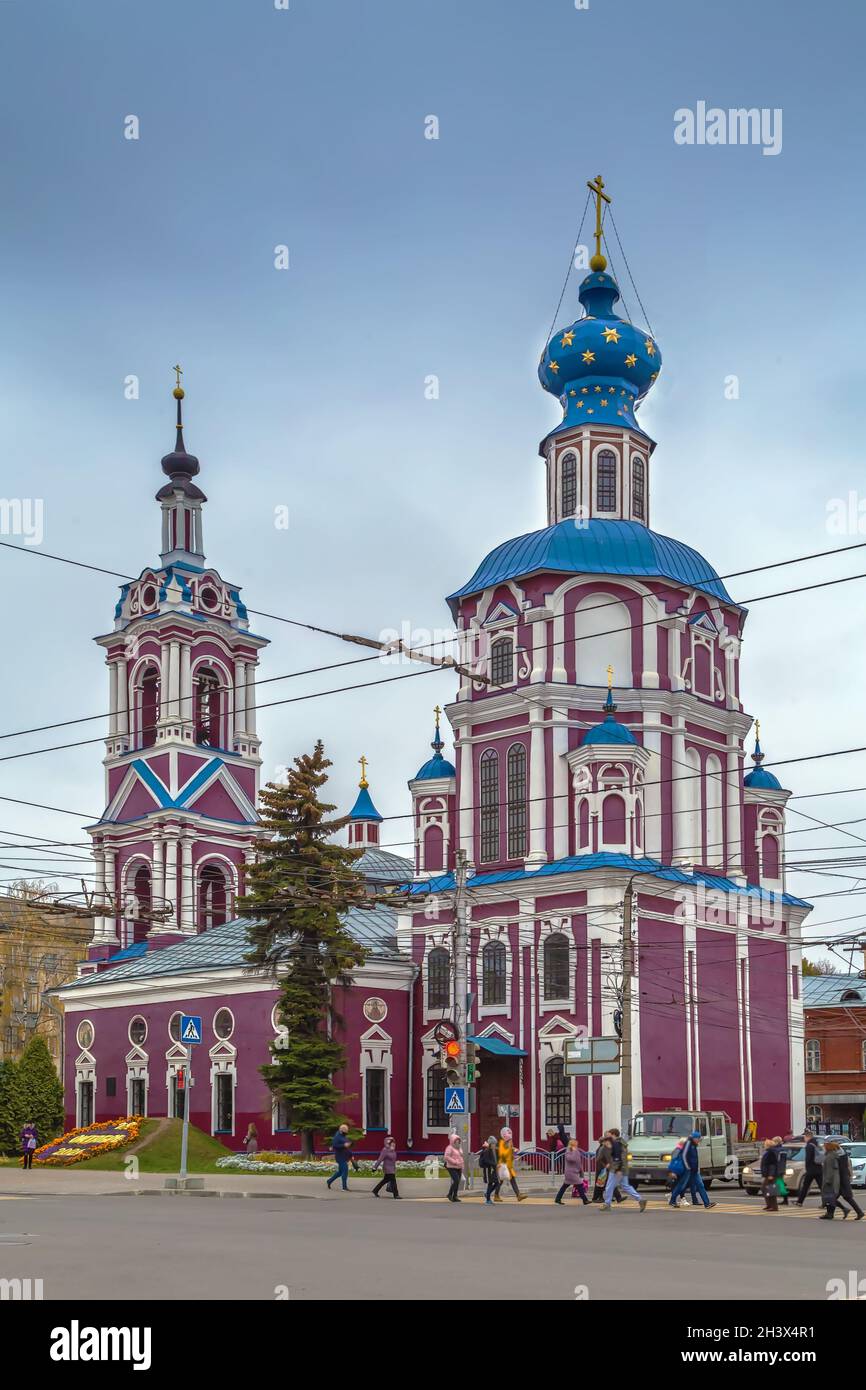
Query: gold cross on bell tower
[
  {"x": 596, "y": 186},
  {"x": 610, "y": 677},
  {"x": 363, "y": 784}
]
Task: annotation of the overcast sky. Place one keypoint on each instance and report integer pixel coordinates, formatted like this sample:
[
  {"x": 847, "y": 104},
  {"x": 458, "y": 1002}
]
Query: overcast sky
[{"x": 410, "y": 257}]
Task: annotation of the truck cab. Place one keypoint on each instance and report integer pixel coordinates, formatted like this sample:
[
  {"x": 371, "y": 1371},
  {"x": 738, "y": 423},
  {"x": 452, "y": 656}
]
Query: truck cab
[{"x": 654, "y": 1135}]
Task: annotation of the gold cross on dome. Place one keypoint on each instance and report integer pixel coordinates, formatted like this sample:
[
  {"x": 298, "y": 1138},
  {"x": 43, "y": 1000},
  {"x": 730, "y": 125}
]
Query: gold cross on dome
[
  {"x": 596, "y": 186},
  {"x": 363, "y": 782},
  {"x": 610, "y": 677},
  {"x": 757, "y": 731},
  {"x": 437, "y": 711},
  {"x": 178, "y": 373}
]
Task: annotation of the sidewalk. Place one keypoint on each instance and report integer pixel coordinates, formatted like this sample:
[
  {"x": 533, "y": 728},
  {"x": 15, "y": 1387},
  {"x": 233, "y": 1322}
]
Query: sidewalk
[{"x": 66, "y": 1182}]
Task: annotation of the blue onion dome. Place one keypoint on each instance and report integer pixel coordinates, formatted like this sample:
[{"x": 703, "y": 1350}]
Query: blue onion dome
[
  {"x": 437, "y": 766},
  {"x": 759, "y": 777},
  {"x": 609, "y": 730},
  {"x": 602, "y": 366},
  {"x": 363, "y": 808}
]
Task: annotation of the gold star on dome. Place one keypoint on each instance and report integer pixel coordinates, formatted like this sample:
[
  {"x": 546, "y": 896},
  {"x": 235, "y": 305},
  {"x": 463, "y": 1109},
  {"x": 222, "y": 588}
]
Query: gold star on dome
[
  {"x": 630, "y": 360},
  {"x": 584, "y": 390},
  {"x": 572, "y": 392},
  {"x": 567, "y": 338},
  {"x": 650, "y": 346},
  {"x": 623, "y": 391},
  {"x": 554, "y": 366},
  {"x": 590, "y": 411},
  {"x": 654, "y": 375},
  {"x": 580, "y": 405},
  {"x": 603, "y": 400},
  {"x": 610, "y": 335},
  {"x": 588, "y": 356},
  {"x": 598, "y": 389}
]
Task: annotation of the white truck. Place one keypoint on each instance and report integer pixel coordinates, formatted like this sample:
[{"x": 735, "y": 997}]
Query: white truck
[{"x": 654, "y": 1135}]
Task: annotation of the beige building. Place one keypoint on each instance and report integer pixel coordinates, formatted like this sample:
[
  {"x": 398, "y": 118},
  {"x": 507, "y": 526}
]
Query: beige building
[{"x": 39, "y": 949}]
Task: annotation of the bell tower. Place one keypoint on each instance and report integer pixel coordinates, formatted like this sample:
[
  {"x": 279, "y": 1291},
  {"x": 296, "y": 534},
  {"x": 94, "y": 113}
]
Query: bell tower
[{"x": 182, "y": 752}]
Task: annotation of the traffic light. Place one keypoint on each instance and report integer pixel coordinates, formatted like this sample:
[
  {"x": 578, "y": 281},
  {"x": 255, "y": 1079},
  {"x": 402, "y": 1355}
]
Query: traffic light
[
  {"x": 473, "y": 1063},
  {"x": 451, "y": 1053}
]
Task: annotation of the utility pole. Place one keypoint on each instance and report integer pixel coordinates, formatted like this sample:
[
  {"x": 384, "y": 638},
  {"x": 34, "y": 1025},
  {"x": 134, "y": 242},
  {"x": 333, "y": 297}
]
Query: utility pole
[
  {"x": 461, "y": 989},
  {"x": 625, "y": 1114}
]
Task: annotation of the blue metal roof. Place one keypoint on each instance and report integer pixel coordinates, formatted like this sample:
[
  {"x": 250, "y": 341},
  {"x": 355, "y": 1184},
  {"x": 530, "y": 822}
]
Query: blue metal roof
[
  {"x": 437, "y": 766},
  {"x": 579, "y": 863},
  {"x": 760, "y": 777},
  {"x": 609, "y": 731},
  {"x": 596, "y": 547},
  {"x": 826, "y": 991}
]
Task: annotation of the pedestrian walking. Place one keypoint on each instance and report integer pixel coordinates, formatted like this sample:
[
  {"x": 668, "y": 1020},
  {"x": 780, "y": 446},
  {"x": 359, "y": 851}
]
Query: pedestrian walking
[
  {"x": 342, "y": 1147},
  {"x": 454, "y": 1161},
  {"x": 488, "y": 1158},
  {"x": 505, "y": 1168},
  {"x": 811, "y": 1168},
  {"x": 831, "y": 1182},
  {"x": 251, "y": 1142},
  {"x": 387, "y": 1161},
  {"x": 29, "y": 1143},
  {"x": 781, "y": 1185},
  {"x": 617, "y": 1173},
  {"x": 572, "y": 1174},
  {"x": 689, "y": 1180},
  {"x": 771, "y": 1159},
  {"x": 845, "y": 1183},
  {"x": 602, "y": 1155}
]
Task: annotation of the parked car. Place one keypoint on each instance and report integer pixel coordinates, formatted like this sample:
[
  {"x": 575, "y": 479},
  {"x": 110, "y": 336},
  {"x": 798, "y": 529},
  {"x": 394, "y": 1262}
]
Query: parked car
[
  {"x": 795, "y": 1163},
  {"x": 856, "y": 1149}
]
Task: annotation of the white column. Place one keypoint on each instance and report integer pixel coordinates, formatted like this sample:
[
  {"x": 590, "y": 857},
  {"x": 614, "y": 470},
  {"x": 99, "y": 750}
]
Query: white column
[
  {"x": 159, "y": 871},
  {"x": 734, "y": 816},
  {"x": 122, "y": 697},
  {"x": 186, "y": 914},
  {"x": 681, "y": 795},
  {"x": 171, "y": 879},
  {"x": 537, "y": 781},
  {"x": 463, "y": 749},
  {"x": 112, "y": 698},
  {"x": 174, "y": 680},
  {"x": 186, "y": 709},
  {"x": 560, "y": 804},
  {"x": 240, "y": 698},
  {"x": 250, "y": 696}
]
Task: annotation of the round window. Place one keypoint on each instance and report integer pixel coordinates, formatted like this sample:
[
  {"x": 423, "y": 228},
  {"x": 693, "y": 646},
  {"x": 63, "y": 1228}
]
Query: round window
[
  {"x": 223, "y": 1023},
  {"x": 148, "y": 597},
  {"x": 84, "y": 1033},
  {"x": 209, "y": 597},
  {"x": 174, "y": 1027},
  {"x": 137, "y": 1031}
]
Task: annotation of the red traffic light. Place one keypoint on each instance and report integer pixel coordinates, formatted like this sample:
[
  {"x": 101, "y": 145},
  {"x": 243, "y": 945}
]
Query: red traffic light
[{"x": 452, "y": 1049}]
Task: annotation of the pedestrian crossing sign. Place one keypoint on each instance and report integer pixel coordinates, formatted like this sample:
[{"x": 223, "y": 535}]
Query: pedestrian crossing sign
[
  {"x": 455, "y": 1100},
  {"x": 190, "y": 1028}
]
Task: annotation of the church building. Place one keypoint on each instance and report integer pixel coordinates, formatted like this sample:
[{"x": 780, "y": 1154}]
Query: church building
[{"x": 598, "y": 757}]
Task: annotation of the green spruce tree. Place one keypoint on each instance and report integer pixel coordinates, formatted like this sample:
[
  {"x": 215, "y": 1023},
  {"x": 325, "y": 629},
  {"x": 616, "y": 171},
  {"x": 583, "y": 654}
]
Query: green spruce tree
[
  {"x": 42, "y": 1089},
  {"x": 12, "y": 1115},
  {"x": 300, "y": 886}
]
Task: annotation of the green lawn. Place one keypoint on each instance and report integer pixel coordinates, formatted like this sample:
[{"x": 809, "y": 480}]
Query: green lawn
[{"x": 163, "y": 1155}]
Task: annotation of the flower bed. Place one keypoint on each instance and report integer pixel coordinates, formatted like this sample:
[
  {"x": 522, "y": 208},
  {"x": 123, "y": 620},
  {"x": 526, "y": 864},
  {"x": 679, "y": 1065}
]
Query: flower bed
[
  {"x": 287, "y": 1163},
  {"x": 78, "y": 1144}
]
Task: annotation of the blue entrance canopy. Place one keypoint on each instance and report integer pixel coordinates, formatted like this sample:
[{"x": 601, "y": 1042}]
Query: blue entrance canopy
[{"x": 498, "y": 1047}]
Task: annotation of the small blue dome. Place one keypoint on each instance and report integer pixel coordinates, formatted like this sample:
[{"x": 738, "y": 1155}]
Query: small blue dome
[
  {"x": 761, "y": 778},
  {"x": 363, "y": 808},
  {"x": 602, "y": 366},
  {"x": 436, "y": 767},
  {"x": 609, "y": 731}
]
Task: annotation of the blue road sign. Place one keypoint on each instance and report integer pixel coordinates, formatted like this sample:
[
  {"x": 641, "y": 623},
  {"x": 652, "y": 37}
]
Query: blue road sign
[
  {"x": 455, "y": 1100},
  {"x": 190, "y": 1028}
]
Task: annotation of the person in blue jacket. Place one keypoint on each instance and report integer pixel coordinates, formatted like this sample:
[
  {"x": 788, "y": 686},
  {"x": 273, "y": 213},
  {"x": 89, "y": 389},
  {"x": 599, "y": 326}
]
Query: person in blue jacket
[
  {"x": 691, "y": 1179},
  {"x": 342, "y": 1146}
]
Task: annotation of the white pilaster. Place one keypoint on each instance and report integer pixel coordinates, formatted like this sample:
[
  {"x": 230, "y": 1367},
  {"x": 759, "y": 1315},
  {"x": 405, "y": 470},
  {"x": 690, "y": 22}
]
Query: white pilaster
[
  {"x": 186, "y": 914},
  {"x": 681, "y": 795},
  {"x": 537, "y": 798},
  {"x": 250, "y": 696},
  {"x": 734, "y": 815},
  {"x": 240, "y": 698}
]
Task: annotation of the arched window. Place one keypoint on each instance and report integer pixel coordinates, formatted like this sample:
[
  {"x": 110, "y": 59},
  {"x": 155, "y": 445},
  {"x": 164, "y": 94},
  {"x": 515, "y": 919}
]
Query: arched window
[
  {"x": 434, "y": 844},
  {"x": 142, "y": 891},
  {"x": 208, "y": 708},
  {"x": 149, "y": 706},
  {"x": 702, "y": 672},
  {"x": 613, "y": 820},
  {"x": 715, "y": 832},
  {"x": 494, "y": 963},
  {"x": 569, "y": 484},
  {"x": 557, "y": 969},
  {"x": 436, "y": 1117},
  {"x": 557, "y": 1093},
  {"x": 813, "y": 1055},
  {"x": 214, "y": 897},
  {"x": 515, "y": 772},
  {"x": 583, "y": 823},
  {"x": 605, "y": 482},
  {"x": 502, "y": 661},
  {"x": 638, "y": 823},
  {"x": 438, "y": 978},
  {"x": 489, "y": 822},
  {"x": 638, "y": 489},
  {"x": 770, "y": 857}
]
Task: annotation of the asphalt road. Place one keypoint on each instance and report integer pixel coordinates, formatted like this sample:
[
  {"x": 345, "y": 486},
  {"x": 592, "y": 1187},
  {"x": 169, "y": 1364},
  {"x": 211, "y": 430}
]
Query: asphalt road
[{"x": 355, "y": 1247}]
